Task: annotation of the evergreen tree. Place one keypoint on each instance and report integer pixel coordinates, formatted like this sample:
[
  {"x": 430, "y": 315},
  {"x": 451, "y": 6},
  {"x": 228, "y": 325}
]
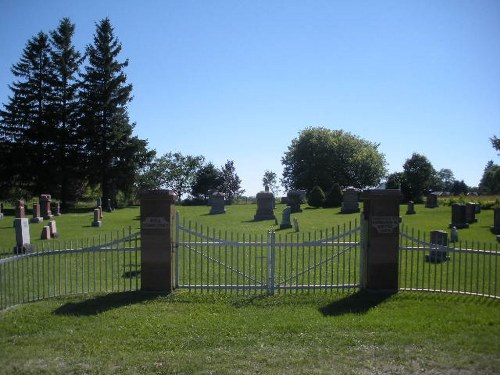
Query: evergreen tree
[
  {"x": 113, "y": 155},
  {"x": 67, "y": 149},
  {"x": 26, "y": 124},
  {"x": 333, "y": 198},
  {"x": 316, "y": 197}
]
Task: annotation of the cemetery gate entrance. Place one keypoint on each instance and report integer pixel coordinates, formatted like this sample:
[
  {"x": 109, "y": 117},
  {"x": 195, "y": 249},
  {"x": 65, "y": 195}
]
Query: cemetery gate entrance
[{"x": 207, "y": 259}]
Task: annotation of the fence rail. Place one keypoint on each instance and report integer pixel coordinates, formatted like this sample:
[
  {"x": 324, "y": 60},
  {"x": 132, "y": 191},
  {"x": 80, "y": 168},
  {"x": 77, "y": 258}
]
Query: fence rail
[
  {"x": 209, "y": 260},
  {"x": 214, "y": 260},
  {"x": 105, "y": 264},
  {"x": 463, "y": 268}
]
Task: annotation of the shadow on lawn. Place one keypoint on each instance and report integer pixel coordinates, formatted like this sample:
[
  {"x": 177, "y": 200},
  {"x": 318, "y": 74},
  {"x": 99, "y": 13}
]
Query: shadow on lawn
[
  {"x": 104, "y": 303},
  {"x": 358, "y": 303}
]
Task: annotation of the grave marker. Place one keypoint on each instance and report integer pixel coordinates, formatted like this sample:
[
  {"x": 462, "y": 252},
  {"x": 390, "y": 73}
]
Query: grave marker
[
  {"x": 36, "y": 214},
  {"x": 265, "y": 206},
  {"x": 285, "y": 218},
  {"x": 45, "y": 200},
  {"x": 350, "y": 201}
]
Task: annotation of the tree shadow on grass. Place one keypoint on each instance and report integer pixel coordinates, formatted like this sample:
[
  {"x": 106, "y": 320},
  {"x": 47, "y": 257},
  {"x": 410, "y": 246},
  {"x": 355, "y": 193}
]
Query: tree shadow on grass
[
  {"x": 99, "y": 304},
  {"x": 358, "y": 303}
]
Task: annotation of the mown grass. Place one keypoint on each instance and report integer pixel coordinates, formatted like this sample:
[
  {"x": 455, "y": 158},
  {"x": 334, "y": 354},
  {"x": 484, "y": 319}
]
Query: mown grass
[
  {"x": 137, "y": 333},
  {"x": 240, "y": 219}
]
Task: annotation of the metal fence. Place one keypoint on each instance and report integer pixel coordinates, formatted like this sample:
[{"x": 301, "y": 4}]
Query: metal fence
[
  {"x": 214, "y": 260},
  {"x": 463, "y": 267},
  {"x": 108, "y": 263},
  {"x": 208, "y": 260}
]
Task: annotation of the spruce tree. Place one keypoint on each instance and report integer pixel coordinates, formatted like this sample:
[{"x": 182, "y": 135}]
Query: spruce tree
[
  {"x": 66, "y": 61},
  {"x": 26, "y": 123},
  {"x": 113, "y": 154}
]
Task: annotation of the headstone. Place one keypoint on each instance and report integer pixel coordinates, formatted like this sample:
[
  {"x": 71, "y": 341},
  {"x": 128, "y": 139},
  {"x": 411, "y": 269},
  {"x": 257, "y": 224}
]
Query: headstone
[
  {"x": 45, "y": 233},
  {"x": 294, "y": 199},
  {"x": 411, "y": 208},
  {"x": 296, "y": 224},
  {"x": 109, "y": 206},
  {"x": 36, "y": 214},
  {"x": 470, "y": 213},
  {"x": 100, "y": 212},
  {"x": 264, "y": 206},
  {"x": 23, "y": 239},
  {"x": 45, "y": 200},
  {"x": 1, "y": 211},
  {"x": 438, "y": 243},
  {"x": 496, "y": 221},
  {"x": 458, "y": 218},
  {"x": 20, "y": 211},
  {"x": 454, "y": 234},
  {"x": 53, "y": 229},
  {"x": 431, "y": 201},
  {"x": 217, "y": 203},
  {"x": 350, "y": 201},
  {"x": 57, "y": 209},
  {"x": 97, "y": 218},
  {"x": 285, "y": 219}
]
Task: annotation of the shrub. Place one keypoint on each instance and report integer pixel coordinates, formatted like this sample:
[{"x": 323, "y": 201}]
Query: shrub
[
  {"x": 333, "y": 197},
  {"x": 316, "y": 197}
]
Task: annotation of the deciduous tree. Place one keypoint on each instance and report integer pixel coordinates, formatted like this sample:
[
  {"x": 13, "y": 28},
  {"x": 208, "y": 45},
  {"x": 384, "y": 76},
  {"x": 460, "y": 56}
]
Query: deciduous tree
[{"x": 321, "y": 156}]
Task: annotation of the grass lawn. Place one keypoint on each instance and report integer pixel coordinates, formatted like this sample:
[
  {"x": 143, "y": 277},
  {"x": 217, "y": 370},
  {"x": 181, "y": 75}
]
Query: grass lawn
[{"x": 136, "y": 333}]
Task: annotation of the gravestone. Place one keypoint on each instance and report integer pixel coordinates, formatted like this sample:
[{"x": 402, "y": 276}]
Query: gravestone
[
  {"x": 265, "y": 206},
  {"x": 294, "y": 200},
  {"x": 438, "y": 240},
  {"x": 20, "y": 210},
  {"x": 45, "y": 233},
  {"x": 285, "y": 218},
  {"x": 478, "y": 208},
  {"x": 431, "y": 201},
  {"x": 350, "y": 201},
  {"x": 37, "y": 218},
  {"x": 410, "y": 210},
  {"x": 53, "y": 229},
  {"x": 100, "y": 212},
  {"x": 296, "y": 224},
  {"x": 109, "y": 206},
  {"x": 97, "y": 218},
  {"x": 1, "y": 211},
  {"x": 470, "y": 213},
  {"x": 57, "y": 209},
  {"x": 217, "y": 203},
  {"x": 454, "y": 235},
  {"x": 496, "y": 221},
  {"x": 45, "y": 200},
  {"x": 23, "y": 239},
  {"x": 458, "y": 217}
]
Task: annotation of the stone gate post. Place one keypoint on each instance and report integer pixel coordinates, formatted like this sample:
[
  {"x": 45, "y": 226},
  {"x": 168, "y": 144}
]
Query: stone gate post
[
  {"x": 380, "y": 254},
  {"x": 157, "y": 240}
]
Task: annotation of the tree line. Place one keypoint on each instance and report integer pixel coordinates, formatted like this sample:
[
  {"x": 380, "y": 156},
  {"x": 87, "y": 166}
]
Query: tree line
[
  {"x": 66, "y": 127},
  {"x": 66, "y": 130}
]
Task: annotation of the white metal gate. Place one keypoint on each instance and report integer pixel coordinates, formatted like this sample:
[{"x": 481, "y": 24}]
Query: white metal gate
[{"x": 207, "y": 259}]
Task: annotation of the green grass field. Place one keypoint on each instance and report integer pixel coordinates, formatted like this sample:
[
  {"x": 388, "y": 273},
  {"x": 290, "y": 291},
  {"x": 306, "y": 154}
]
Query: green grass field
[
  {"x": 299, "y": 333},
  {"x": 135, "y": 333},
  {"x": 239, "y": 219}
]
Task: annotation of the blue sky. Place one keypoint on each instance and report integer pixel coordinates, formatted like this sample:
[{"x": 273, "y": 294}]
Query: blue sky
[{"x": 238, "y": 80}]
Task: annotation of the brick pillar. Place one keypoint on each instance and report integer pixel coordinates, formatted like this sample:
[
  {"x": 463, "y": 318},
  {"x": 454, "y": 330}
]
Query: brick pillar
[
  {"x": 379, "y": 262},
  {"x": 157, "y": 239}
]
